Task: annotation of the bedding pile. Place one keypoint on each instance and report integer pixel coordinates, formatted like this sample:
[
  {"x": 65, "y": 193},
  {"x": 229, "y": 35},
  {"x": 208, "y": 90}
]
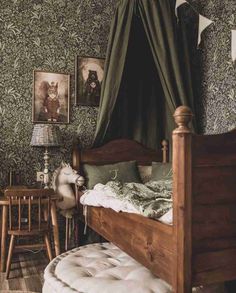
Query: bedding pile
[{"x": 152, "y": 199}]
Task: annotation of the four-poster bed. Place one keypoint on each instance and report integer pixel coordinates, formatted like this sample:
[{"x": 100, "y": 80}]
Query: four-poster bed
[{"x": 200, "y": 247}]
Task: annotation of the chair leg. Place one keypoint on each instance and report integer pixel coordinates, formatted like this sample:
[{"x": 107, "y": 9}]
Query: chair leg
[
  {"x": 9, "y": 258},
  {"x": 48, "y": 246}
]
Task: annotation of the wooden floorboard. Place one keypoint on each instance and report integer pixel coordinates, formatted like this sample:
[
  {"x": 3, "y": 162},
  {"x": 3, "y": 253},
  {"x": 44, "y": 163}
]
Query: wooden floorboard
[{"x": 26, "y": 272}]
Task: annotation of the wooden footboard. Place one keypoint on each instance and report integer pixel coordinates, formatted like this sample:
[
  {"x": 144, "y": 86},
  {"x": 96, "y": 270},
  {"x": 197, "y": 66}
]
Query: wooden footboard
[{"x": 204, "y": 205}]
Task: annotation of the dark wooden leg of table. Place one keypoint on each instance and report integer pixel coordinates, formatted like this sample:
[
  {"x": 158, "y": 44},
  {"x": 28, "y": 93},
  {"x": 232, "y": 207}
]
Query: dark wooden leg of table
[
  {"x": 55, "y": 228},
  {"x": 4, "y": 237}
]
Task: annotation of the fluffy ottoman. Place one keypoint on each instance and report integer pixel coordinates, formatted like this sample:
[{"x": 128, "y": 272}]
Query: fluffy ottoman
[{"x": 102, "y": 268}]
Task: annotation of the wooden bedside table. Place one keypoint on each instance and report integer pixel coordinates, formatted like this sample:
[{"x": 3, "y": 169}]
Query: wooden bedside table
[{"x": 4, "y": 203}]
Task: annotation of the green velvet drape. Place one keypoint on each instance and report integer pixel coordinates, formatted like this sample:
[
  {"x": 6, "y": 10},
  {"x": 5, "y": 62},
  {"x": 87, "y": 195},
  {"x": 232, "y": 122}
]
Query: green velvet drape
[{"x": 143, "y": 81}]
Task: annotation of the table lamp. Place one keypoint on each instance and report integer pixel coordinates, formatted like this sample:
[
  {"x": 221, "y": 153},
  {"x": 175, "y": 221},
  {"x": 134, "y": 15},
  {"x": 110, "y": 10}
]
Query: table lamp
[{"x": 46, "y": 135}]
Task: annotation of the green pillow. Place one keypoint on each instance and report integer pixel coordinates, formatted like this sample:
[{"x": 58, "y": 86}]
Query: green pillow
[
  {"x": 161, "y": 171},
  {"x": 123, "y": 171}
]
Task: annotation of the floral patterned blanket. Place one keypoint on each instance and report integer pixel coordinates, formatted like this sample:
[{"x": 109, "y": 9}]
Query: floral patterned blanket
[{"x": 152, "y": 199}]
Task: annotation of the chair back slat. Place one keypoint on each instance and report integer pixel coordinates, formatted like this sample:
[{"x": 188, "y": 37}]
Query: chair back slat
[
  {"x": 19, "y": 213},
  {"x": 29, "y": 213},
  {"x": 10, "y": 214},
  {"x": 48, "y": 212},
  {"x": 39, "y": 212},
  {"x": 27, "y": 199}
]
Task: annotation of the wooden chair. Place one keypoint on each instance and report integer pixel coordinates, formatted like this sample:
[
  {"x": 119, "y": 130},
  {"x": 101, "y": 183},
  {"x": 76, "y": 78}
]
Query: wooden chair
[{"x": 37, "y": 201}]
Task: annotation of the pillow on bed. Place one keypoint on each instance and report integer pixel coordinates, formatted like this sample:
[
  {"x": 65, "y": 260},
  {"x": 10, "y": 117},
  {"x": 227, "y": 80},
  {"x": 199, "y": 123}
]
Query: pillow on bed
[
  {"x": 161, "y": 171},
  {"x": 145, "y": 173},
  {"x": 126, "y": 172}
]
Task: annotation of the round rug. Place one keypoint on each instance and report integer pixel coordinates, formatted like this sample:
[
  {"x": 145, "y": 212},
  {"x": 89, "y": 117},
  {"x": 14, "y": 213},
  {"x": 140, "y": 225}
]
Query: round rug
[{"x": 16, "y": 291}]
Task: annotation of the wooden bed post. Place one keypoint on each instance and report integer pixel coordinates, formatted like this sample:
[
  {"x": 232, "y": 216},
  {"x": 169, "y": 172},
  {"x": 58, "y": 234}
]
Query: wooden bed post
[
  {"x": 75, "y": 157},
  {"x": 182, "y": 200},
  {"x": 165, "y": 151}
]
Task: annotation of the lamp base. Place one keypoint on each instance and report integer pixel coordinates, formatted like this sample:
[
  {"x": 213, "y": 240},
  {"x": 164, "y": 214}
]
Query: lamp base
[{"x": 46, "y": 169}]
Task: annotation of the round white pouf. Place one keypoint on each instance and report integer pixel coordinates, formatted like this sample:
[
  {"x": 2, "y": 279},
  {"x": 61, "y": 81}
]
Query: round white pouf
[{"x": 101, "y": 268}]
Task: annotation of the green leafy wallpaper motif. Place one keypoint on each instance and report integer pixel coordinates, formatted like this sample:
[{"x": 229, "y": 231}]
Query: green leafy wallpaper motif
[
  {"x": 214, "y": 69},
  {"x": 47, "y": 35}
]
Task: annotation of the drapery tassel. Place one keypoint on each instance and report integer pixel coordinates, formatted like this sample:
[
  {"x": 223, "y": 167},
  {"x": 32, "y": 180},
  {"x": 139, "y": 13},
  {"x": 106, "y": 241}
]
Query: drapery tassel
[
  {"x": 203, "y": 24},
  {"x": 233, "y": 46},
  {"x": 177, "y": 4},
  {"x": 85, "y": 213}
]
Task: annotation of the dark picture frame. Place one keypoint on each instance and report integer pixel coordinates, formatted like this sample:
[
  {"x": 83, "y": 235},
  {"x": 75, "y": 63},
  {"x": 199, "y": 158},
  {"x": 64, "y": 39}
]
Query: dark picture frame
[
  {"x": 51, "y": 97},
  {"x": 89, "y": 73}
]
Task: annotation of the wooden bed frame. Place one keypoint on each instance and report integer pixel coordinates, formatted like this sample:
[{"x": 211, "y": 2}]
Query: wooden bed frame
[{"x": 200, "y": 247}]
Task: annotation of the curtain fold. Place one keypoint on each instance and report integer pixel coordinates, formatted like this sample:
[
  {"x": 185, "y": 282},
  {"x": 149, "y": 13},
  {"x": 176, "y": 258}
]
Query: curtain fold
[
  {"x": 138, "y": 107},
  {"x": 114, "y": 64},
  {"x": 160, "y": 25},
  {"x": 144, "y": 80},
  {"x": 159, "y": 30}
]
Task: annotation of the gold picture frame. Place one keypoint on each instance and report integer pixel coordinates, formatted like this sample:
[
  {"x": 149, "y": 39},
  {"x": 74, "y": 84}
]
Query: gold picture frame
[
  {"x": 51, "y": 97},
  {"x": 89, "y": 73}
]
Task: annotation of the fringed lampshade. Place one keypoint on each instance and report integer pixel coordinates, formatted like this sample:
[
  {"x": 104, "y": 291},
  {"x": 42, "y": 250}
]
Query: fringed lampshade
[{"x": 46, "y": 135}]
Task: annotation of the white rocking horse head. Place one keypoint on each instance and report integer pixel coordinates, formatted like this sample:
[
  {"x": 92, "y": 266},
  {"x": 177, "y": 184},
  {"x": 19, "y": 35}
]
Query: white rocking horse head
[{"x": 61, "y": 180}]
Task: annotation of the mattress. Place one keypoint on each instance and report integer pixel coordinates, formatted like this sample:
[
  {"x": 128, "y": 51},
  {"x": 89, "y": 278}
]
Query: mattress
[{"x": 104, "y": 268}]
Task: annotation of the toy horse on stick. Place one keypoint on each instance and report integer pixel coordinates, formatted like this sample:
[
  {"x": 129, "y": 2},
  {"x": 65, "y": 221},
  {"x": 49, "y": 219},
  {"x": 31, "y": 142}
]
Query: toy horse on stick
[{"x": 62, "y": 179}]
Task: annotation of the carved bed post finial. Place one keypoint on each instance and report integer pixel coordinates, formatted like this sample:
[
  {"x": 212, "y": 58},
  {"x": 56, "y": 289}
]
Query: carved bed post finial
[
  {"x": 76, "y": 154},
  {"x": 183, "y": 116},
  {"x": 165, "y": 151}
]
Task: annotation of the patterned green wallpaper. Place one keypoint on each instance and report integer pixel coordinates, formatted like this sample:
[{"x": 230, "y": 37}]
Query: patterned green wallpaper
[
  {"x": 47, "y": 35},
  {"x": 214, "y": 70}
]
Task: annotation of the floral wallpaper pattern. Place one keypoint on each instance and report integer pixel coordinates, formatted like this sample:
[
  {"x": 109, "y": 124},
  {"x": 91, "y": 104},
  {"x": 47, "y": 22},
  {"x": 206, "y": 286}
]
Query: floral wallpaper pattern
[
  {"x": 214, "y": 70},
  {"x": 48, "y": 34}
]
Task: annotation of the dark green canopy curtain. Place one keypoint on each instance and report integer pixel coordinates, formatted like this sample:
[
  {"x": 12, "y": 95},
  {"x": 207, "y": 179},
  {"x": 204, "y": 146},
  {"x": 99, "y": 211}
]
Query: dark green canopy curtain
[{"x": 143, "y": 82}]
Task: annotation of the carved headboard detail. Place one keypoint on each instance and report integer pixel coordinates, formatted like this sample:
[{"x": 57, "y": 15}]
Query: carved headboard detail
[{"x": 119, "y": 150}]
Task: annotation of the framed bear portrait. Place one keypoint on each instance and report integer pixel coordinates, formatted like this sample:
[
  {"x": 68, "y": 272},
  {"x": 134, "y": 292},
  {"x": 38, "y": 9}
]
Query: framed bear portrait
[
  {"x": 89, "y": 73},
  {"x": 51, "y": 95}
]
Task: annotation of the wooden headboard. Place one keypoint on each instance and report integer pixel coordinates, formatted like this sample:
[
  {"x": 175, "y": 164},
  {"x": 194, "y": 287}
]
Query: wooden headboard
[{"x": 119, "y": 150}]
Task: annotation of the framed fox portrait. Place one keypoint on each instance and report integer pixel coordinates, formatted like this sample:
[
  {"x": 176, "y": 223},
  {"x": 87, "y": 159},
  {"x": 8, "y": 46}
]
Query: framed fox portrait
[{"x": 51, "y": 94}]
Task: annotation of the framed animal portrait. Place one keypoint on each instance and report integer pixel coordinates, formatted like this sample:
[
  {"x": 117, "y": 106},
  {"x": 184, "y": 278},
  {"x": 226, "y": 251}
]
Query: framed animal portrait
[
  {"x": 89, "y": 73},
  {"x": 51, "y": 95}
]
